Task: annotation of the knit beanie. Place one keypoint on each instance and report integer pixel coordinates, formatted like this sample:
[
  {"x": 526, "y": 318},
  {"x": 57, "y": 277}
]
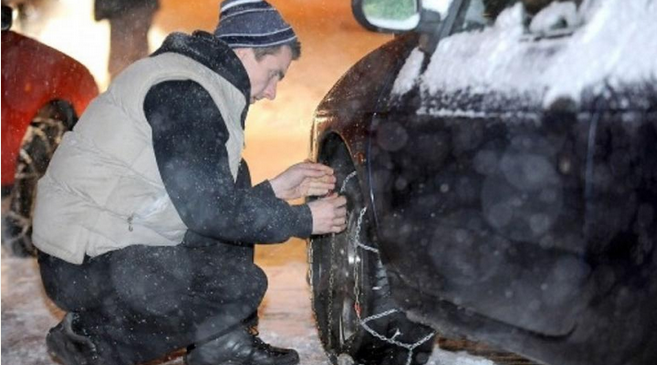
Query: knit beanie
[{"x": 252, "y": 24}]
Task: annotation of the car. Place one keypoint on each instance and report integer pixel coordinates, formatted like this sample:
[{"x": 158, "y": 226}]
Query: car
[
  {"x": 43, "y": 92},
  {"x": 500, "y": 163}
]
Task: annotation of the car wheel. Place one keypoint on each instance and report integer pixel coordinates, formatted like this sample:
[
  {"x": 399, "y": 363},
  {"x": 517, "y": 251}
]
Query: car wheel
[
  {"x": 39, "y": 143},
  {"x": 355, "y": 315}
]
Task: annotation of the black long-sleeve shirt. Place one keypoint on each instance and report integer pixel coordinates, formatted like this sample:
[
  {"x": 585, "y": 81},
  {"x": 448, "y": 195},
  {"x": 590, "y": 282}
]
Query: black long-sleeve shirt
[{"x": 189, "y": 137}]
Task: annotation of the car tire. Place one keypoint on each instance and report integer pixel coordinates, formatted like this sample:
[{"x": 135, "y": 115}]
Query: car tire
[
  {"x": 42, "y": 137},
  {"x": 355, "y": 315}
]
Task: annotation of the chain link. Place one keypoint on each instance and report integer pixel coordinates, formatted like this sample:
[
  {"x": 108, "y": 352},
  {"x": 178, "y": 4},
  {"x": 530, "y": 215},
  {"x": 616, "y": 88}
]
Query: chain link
[
  {"x": 346, "y": 180},
  {"x": 311, "y": 273},
  {"x": 357, "y": 261},
  {"x": 21, "y": 221},
  {"x": 331, "y": 284},
  {"x": 359, "y": 243}
]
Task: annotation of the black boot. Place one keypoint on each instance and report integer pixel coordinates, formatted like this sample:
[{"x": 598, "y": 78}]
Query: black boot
[
  {"x": 240, "y": 347},
  {"x": 68, "y": 347}
]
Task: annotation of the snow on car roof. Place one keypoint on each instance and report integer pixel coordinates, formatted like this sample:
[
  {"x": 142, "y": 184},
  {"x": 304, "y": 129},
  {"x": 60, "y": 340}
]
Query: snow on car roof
[{"x": 614, "y": 43}]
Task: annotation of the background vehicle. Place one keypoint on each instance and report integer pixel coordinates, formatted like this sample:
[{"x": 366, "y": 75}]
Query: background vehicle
[
  {"x": 500, "y": 161},
  {"x": 43, "y": 92}
]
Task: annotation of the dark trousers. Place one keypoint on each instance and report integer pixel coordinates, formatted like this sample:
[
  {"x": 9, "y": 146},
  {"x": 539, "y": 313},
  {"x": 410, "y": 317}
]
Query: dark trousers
[{"x": 142, "y": 302}]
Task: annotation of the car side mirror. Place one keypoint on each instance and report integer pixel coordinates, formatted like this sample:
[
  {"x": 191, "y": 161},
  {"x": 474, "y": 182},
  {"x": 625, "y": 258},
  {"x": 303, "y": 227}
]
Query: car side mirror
[
  {"x": 6, "y": 17},
  {"x": 387, "y": 16}
]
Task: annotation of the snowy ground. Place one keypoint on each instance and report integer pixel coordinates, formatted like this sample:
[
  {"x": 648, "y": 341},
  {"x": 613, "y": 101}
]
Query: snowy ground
[{"x": 286, "y": 318}]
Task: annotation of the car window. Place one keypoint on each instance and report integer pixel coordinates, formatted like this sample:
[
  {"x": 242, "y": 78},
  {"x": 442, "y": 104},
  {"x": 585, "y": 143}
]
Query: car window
[
  {"x": 480, "y": 13},
  {"x": 439, "y": 6},
  {"x": 543, "y": 17}
]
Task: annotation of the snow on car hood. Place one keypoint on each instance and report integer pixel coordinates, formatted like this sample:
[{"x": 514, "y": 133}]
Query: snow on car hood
[{"x": 615, "y": 43}]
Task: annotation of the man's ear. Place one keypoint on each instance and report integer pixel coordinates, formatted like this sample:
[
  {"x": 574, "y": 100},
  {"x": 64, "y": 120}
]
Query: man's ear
[{"x": 243, "y": 53}]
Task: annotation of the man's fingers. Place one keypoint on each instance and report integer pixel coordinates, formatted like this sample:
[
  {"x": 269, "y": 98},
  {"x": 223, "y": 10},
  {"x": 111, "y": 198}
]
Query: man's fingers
[
  {"x": 318, "y": 192},
  {"x": 336, "y": 200},
  {"x": 339, "y": 201},
  {"x": 330, "y": 197},
  {"x": 329, "y": 214},
  {"x": 339, "y": 228},
  {"x": 318, "y": 167},
  {"x": 316, "y": 188},
  {"x": 341, "y": 212},
  {"x": 321, "y": 185},
  {"x": 319, "y": 181},
  {"x": 339, "y": 221},
  {"x": 326, "y": 179},
  {"x": 318, "y": 176},
  {"x": 313, "y": 173}
]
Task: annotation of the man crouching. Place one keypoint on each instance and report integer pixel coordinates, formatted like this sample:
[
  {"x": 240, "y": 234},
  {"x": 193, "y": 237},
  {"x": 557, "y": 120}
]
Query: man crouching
[{"x": 146, "y": 219}]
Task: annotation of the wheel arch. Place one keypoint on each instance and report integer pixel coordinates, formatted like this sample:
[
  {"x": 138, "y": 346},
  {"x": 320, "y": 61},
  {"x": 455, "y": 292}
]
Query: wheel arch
[
  {"x": 60, "y": 107},
  {"x": 18, "y": 126}
]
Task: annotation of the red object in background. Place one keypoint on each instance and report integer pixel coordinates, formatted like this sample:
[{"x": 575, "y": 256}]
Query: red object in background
[{"x": 33, "y": 75}]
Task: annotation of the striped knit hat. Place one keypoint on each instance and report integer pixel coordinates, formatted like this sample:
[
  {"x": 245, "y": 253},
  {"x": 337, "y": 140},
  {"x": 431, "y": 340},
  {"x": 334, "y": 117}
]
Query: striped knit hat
[{"x": 252, "y": 24}]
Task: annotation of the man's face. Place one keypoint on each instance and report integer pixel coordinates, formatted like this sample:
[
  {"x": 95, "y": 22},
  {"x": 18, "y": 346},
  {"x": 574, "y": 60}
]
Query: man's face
[{"x": 266, "y": 73}]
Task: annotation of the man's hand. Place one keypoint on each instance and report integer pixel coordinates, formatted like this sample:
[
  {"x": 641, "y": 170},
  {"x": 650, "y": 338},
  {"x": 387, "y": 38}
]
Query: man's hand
[
  {"x": 329, "y": 214},
  {"x": 302, "y": 180}
]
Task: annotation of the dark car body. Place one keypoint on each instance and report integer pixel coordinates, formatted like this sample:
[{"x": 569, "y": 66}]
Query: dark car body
[{"x": 513, "y": 187}]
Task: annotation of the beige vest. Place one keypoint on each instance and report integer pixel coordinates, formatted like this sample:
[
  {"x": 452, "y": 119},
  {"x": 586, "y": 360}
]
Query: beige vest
[{"x": 102, "y": 190}]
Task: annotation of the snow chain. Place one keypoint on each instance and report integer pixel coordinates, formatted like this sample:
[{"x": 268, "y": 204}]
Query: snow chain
[
  {"x": 363, "y": 322},
  {"x": 391, "y": 340},
  {"x": 48, "y": 132},
  {"x": 333, "y": 264}
]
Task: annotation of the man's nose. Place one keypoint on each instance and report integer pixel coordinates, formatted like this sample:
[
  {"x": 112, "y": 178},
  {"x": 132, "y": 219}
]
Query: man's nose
[{"x": 270, "y": 91}]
